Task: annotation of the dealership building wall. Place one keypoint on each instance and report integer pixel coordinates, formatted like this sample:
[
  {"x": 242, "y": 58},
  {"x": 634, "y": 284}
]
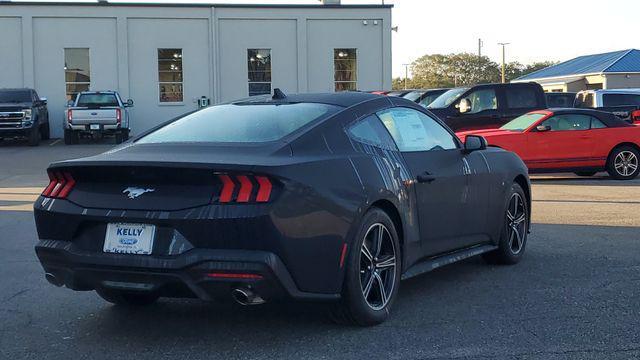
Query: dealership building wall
[{"x": 124, "y": 40}]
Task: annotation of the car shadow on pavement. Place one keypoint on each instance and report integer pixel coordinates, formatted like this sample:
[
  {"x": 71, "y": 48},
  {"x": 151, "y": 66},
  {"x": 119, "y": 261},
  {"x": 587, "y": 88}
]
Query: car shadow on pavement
[{"x": 597, "y": 180}]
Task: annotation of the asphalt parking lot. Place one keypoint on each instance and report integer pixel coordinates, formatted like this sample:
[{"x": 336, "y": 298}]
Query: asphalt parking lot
[{"x": 576, "y": 294}]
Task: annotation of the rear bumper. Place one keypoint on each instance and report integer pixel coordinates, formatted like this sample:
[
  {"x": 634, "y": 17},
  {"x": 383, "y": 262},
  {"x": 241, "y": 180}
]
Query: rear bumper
[
  {"x": 87, "y": 127},
  {"x": 195, "y": 273}
]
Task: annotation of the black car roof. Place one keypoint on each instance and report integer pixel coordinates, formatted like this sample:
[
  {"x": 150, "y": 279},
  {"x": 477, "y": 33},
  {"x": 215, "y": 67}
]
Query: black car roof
[
  {"x": 343, "y": 99},
  {"x": 609, "y": 119}
]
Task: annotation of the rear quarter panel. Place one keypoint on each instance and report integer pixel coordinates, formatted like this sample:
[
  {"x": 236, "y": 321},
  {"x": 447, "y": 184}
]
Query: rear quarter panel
[{"x": 607, "y": 139}]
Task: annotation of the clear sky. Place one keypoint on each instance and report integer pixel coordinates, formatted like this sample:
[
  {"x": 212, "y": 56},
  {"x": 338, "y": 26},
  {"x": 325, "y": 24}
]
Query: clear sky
[{"x": 538, "y": 30}]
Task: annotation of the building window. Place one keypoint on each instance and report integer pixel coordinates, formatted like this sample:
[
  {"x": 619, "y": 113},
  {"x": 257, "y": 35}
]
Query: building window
[
  {"x": 170, "y": 75},
  {"x": 259, "y": 71},
  {"x": 345, "y": 69},
  {"x": 77, "y": 72}
]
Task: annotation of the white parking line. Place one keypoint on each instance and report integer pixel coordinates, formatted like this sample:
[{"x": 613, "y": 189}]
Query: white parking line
[{"x": 55, "y": 142}]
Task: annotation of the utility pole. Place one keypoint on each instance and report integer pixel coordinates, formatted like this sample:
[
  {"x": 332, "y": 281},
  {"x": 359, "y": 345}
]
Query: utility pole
[
  {"x": 480, "y": 47},
  {"x": 406, "y": 74},
  {"x": 503, "y": 61}
]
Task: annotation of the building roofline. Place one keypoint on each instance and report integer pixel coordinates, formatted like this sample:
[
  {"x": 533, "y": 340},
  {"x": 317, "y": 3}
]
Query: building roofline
[
  {"x": 604, "y": 71},
  {"x": 200, "y": 5},
  {"x": 576, "y": 75},
  {"x": 555, "y": 77},
  {"x": 618, "y": 59}
]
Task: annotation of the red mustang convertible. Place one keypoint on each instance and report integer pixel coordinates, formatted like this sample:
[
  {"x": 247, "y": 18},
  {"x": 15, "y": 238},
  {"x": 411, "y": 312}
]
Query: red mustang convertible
[{"x": 583, "y": 141}]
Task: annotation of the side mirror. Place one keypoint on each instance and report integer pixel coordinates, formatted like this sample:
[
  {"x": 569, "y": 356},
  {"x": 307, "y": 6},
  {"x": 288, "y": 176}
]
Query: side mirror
[
  {"x": 70, "y": 103},
  {"x": 474, "y": 143},
  {"x": 543, "y": 128},
  {"x": 464, "y": 106},
  {"x": 43, "y": 100},
  {"x": 129, "y": 103}
]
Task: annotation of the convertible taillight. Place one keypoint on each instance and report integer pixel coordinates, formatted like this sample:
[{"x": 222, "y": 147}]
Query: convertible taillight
[
  {"x": 60, "y": 185},
  {"x": 635, "y": 117},
  {"x": 243, "y": 189}
]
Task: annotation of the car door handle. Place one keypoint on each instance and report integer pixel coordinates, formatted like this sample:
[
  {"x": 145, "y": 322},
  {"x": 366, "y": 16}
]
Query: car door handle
[{"x": 426, "y": 177}]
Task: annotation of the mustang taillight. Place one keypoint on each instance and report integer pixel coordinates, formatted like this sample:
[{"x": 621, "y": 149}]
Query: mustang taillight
[
  {"x": 60, "y": 185},
  {"x": 243, "y": 189}
]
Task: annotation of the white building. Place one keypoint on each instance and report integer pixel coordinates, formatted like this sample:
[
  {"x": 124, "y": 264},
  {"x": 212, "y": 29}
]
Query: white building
[{"x": 165, "y": 57}]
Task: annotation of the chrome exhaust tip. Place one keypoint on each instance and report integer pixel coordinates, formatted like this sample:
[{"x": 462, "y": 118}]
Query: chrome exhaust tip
[
  {"x": 245, "y": 296},
  {"x": 53, "y": 280}
]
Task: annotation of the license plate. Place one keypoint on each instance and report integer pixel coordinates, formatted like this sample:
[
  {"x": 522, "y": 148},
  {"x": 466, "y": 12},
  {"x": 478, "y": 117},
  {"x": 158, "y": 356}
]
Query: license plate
[
  {"x": 94, "y": 127},
  {"x": 129, "y": 238}
]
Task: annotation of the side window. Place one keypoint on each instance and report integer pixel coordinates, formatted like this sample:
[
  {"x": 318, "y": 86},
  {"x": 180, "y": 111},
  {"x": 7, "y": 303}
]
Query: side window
[
  {"x": 568, "y": 122},
  {"x": 597, "y": 124},
  {"x": 521, "y": 97},
  {"x": 371, "y": 131},
  {"x": 415, "y": 131},
  {"x": 483, "y": 99}
]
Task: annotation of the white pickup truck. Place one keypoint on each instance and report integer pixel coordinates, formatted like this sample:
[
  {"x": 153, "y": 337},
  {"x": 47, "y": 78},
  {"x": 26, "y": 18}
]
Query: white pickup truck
[
  {"x": 624, "y": 103},
  {"x": 97, "y": 113}
]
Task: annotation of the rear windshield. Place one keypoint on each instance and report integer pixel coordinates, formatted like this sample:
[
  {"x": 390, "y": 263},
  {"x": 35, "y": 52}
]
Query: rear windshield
[
  {"x": 523, "y": 122},
  {"x": 97, "y": 100},
  {"x": 610, "y": 100},
  {"x": 560, "y": 100},
  {"x": 240, "y": 123},
  {"x": 15, "y": 96}
]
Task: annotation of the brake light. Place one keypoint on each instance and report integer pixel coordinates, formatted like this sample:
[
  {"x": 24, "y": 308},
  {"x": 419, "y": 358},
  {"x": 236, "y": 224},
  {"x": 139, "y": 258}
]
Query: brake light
[
  {"x": 118, "y": 116},
  {"x": 69, "y": 116},
  {"x": 635, "y": 117},
  {"x": 250, "y": 188},
  {"x": 245, "y": 276},
  {"x": 60, "y": 185}
]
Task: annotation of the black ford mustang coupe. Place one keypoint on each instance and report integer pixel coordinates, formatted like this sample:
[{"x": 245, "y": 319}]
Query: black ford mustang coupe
[{"x": 332, "y": 197}]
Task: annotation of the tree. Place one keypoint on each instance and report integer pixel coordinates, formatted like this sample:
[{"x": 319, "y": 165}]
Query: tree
[
  {"x": 436, "y": 71},
  {"x": 433, "y": 71}
]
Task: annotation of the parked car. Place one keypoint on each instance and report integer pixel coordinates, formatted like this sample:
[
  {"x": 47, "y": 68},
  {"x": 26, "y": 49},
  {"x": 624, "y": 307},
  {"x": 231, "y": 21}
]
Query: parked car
[
  {"x": 624, "y": 103},
  {"x": 560, "y": 99},
  {"x": 487, "y": 106},
  {"x": 424, "y": 97},
  {"x": 97, "y": 112},
  {"x": 333, "y": 197},
  {"x": 583, "y": 141},
  {"x": 23, "y": 114}
]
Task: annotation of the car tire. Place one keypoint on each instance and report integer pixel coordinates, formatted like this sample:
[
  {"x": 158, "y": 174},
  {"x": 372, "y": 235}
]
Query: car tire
[
  {"x": 34, "y": 136},
  {"x": 125, "y": 135},
  {"x": 513, "y": 237},
  {"x": 45, "y": 132},
  {"x": 585, "y": 173},
  {"x": 624, "y": 163},
  {"x": 127, "y": 298},
  {"x": 70, "y": 137},
  {"x": 372, "y": 273}
]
